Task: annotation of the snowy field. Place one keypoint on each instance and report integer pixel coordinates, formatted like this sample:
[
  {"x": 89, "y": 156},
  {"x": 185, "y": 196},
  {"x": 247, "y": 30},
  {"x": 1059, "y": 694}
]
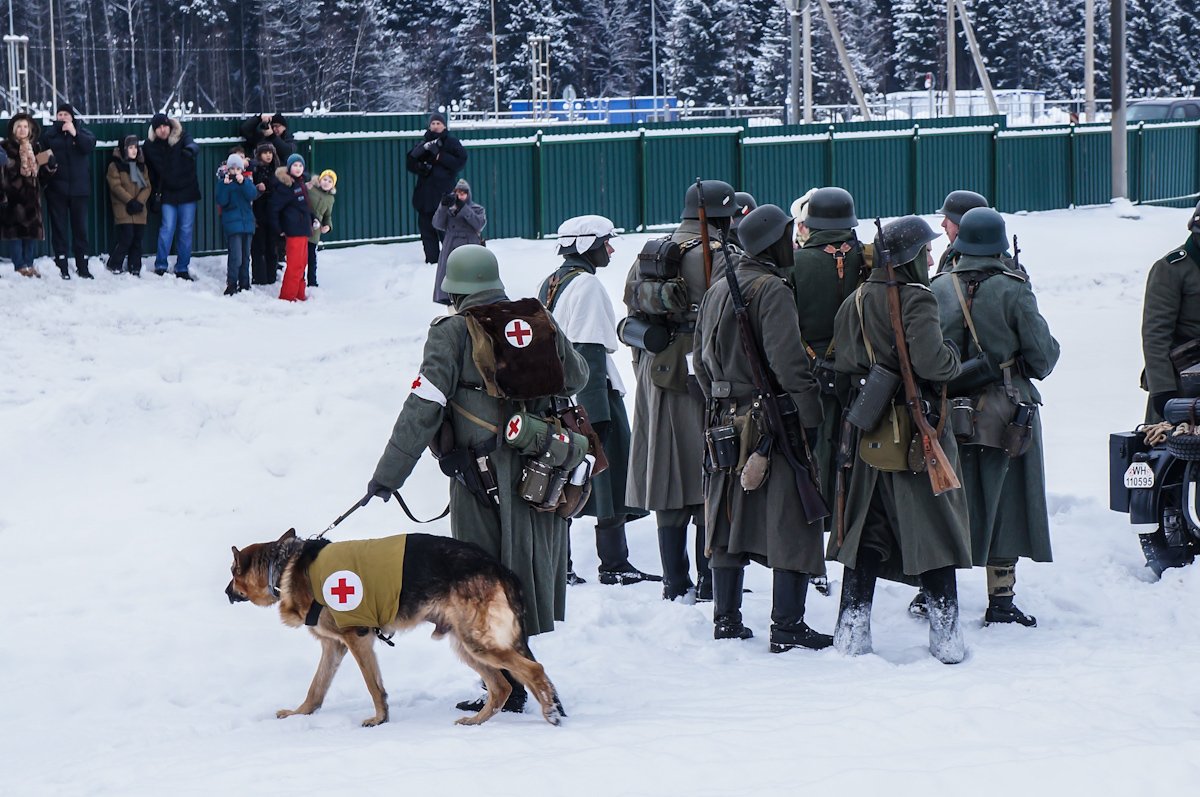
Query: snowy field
[{"x": 148, "y": 425}]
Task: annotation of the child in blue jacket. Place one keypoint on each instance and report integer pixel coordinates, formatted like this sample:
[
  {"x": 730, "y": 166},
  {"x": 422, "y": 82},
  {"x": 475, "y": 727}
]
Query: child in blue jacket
[{"x": 235, "y": 196}]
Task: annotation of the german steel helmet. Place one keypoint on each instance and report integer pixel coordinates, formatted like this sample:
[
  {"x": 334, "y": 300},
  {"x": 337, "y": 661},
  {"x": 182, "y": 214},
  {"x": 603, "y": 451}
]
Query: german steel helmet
[
  {"x": 719, "y": 201},
  {"x": 904, "y": 237},
  {"x": 470, "y": 269},
  {"x": 959, "y": 202},
  {"x": 762, "y": 227},
  {"x": 981, "y": 232},
  {"x": 831, "y": 209}
]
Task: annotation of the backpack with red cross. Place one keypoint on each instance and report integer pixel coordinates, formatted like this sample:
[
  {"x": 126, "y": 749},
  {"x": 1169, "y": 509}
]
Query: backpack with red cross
[{"x": 514, "y": 346}]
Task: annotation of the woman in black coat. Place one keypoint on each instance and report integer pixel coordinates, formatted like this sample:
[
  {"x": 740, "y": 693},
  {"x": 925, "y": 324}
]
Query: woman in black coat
[
  {"x": 436, "y": 160},
  {"x": 22, "y": 219}
]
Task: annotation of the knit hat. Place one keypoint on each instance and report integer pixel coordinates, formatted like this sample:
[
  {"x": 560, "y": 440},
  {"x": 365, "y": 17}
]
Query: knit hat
[
  {"x": 462, "y": 185},
  {"x": 235, "y": 161},
  {"x": 295, "y": 158},
  {"x": 278, "y": 119},
  {"x": 159, "y": 119},
  {"x": 436, "y": 117},
  {"x": 66, "y": 106},
  {"x": 330, "y": 173}
]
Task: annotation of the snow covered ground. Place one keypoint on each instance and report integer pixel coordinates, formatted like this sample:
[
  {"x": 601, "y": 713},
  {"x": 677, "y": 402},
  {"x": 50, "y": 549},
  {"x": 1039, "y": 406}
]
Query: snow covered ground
[{"x": 148, "y": 425}]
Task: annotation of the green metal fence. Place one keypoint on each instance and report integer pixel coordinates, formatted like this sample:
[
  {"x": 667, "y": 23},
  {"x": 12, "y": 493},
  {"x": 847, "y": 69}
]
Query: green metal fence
[{"x": 530, "y": 178}]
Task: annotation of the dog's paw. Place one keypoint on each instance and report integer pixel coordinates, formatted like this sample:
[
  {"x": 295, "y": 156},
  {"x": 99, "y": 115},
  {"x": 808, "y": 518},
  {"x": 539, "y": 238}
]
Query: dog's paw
[
  {"x": 553, "y": 717},
  {"x": 285, "y": 712},
  {"x": 371, "y": 722},
  {"x": 477, "y": 719}
]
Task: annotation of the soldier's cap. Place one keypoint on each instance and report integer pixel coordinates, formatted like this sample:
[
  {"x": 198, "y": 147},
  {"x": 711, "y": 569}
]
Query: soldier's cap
[
  {"x": 763, "y": 227},
  {"x": 581, "y": 233},
  {"x": 959, "y": 202}
]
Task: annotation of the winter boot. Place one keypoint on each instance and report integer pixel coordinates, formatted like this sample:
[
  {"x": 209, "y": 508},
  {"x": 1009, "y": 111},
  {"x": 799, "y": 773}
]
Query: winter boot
[
  {"x": 230, "y": 289},
  {"x": 945, "y": 636},
  {"x": 81, "y": 268},
  {"x": 515, "y": 703},
  {"x": 704, "y": 587},
  {"x": 788, "y": 629},
  {"x": 918, "y": 608},
  {"x": 672, "y": 551},
  {"x": 852, "y": 635},
  {"x": 727, "y": 603},
  {"x": 63, "y": 268},
  {"x": 613, "y": 551},
  {"x": 1001, "y": 609}
]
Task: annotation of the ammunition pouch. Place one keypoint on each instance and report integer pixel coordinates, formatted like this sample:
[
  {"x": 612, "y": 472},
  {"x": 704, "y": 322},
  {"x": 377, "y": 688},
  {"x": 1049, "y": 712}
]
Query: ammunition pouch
[
  {"x": 826, "y": 376},
  {"x": 722, "y": 447},
  {"x": 644, "y": 334},
  {"x": 473, "y": 469},
  {"x": 669, "y": 369}
]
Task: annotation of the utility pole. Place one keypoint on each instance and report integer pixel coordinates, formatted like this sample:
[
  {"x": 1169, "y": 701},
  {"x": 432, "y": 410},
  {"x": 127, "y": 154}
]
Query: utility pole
[
  {"x": 1089, "y": 59},
  {"x": 977, "y": 56},
  {"x": 808, "y": 63},
  {"x": 794, "y": 8},
  {"x": 495, "y": 67},
  {"x": 840, "y": 45},
  {"x": 951, "y": 60},
  {"x": 654, "y": 57},
  {"x": 53, "y": 64},
  {"x": 1120, "y": 187}
]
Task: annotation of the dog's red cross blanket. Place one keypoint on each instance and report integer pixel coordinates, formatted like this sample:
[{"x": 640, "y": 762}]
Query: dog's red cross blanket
[{"x": 360, "y": 580}]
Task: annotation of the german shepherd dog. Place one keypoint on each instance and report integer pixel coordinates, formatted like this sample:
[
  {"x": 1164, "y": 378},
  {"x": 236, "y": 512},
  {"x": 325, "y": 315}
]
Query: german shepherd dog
[{"x": 467, "y": 595}]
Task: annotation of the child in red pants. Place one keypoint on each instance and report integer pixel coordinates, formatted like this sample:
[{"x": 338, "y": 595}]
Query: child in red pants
[{"x": 294, "y": 219}]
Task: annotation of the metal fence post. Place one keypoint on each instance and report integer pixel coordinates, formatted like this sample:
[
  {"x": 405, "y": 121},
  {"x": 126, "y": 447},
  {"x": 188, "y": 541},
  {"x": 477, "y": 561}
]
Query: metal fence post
[
  {"x": 914, "y": 174},
  {"x": 830, "y": 171},
  {"x": 537, "y": 185},
  {"x": 641, "y": 178},
  {"x": 995, "y": 166},
  {"x": 1071, "y": 167}
]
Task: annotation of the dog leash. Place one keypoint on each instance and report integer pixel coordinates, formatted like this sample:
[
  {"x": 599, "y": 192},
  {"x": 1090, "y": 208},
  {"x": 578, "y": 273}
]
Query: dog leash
[{"x": 363, "y": 502}]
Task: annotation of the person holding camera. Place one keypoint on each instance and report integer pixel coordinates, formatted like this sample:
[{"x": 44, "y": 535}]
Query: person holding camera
[
  {"x": 28, "y": 163},
  {"x": 436, "y": 160},
  {"x": 235, "y": 196},
  {"x": 269, "y": 128},
  {"x": 68, "y": 191},
  {"x": 459, "y": 221}
]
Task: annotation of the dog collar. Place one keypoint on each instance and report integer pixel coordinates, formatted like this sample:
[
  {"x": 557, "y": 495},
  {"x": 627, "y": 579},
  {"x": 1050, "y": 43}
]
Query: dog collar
[
  {"x": 314, "y": 614},
  {"x": 277, "y": 563}
]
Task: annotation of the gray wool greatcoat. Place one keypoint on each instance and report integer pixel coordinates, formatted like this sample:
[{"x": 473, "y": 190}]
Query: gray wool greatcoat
[
  {"x": 666, "y": 457},
  {"x": 930, "y": 531},
  {"x": 766, "y": 525},
  {"x": 530, "y": 543},
  {"x": 1006, "y": 497},
  {"x": 461, "y": 225}
]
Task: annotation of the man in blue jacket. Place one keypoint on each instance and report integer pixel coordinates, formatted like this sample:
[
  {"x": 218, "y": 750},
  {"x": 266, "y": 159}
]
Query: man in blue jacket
[{"x": 68, "y": 191}]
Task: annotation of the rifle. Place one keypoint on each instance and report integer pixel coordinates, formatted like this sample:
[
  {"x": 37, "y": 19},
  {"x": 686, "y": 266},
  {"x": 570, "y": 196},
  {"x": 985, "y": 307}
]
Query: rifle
[
  {"x": 812, "y": 503},
  {"x": 1017, "y": 257},
  {"x": 705, "y": 243},
  {"x": 841, "y": 463},
  {"x": 941, "y": 475}
]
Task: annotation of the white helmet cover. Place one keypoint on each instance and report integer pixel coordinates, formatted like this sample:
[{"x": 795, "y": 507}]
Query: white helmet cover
[{"x": 580, "y": 233}]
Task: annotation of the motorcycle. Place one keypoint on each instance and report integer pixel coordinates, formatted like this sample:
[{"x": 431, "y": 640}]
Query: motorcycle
[{"x": 1154, "y": 477}]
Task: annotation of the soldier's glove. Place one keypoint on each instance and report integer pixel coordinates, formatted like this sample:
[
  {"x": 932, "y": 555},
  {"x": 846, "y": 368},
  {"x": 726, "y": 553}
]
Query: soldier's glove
[
  {"x": 448, "y": 200},
  {"x": 376, "y": 490},
  {"x": 1159, "y": 400}
]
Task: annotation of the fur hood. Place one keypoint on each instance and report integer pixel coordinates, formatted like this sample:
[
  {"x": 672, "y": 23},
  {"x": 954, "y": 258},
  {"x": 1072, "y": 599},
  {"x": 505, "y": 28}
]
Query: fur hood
[
  {"x": 34, "y": 127},
  {"x": 173, "y": 137},
  {"x": 282, "y": 175},
  {"x": 118, "y": 156}
]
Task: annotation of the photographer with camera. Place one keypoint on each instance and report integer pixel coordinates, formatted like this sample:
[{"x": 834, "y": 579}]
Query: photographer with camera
[
  {"x": 436, "y": 160},
  {"x": 459, "y": 221},
  {"x": 269, "y": 128}
]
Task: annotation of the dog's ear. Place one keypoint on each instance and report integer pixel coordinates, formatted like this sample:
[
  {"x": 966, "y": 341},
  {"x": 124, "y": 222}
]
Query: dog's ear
[
  {"x": 290, "y": 534},
  {"x": 237, "y": 559}
]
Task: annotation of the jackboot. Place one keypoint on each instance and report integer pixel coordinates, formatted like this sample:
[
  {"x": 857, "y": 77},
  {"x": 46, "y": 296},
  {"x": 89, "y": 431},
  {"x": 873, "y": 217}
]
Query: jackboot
[
  {"x": 852, "y": 635},
  {"x": 727, "y": 603},
  {"x": 613, "y": 550},
  {"x": 1001, "y": 609},
  {"x": 672, "y": 551},
  {"x": 918, "y": 608},
  {"x": 63, "y": 268},
  {"x": 704, "y": 587},
  {"x": 789, "y": 590},
  {"x": 945, "y": 636},
  {"x": 81, "y": 268},
  {"x": 515, "y": 703}
]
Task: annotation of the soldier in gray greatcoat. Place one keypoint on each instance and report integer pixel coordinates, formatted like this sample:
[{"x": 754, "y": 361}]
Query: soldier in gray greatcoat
[
  {"x": 765, "y": 522},
  {"x": 584, "y": 312},
  {"x": 894, "y": 525},
  {"x": 666, "y": 458},
  {"x": 531, "y": 543},
  {"x": 1006, "y": 496},
  {"x": 955, "y": 205},
  {"x": 1170, "y": 318}
]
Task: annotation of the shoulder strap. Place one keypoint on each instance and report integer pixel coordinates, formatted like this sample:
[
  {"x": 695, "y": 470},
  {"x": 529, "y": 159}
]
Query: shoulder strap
[
  {"x": 558, "y": 280},
  {"x": 966, "y": 308},
  {"x": 858, "y": 301}
]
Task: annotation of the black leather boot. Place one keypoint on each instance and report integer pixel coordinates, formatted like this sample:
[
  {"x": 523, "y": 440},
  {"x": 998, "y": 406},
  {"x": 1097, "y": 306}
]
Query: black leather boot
[
  {"x": 81, "y": 268},
  {"x": 727, "y": 603},
  {"x": 945, "y": 636},
  {"x": 1001, "y": 609},
  {"x": 672, "y": 551},
  {"x": 852, "y": 635},
  {"x": 613, "y": 551},
  {"x": 704, "y": 587},
  {"x": 918, "y": 608},
  {"x": 63, "y": 268},
  {"x": 515, "y": 703},
  {"x": 788, "y": 630}
]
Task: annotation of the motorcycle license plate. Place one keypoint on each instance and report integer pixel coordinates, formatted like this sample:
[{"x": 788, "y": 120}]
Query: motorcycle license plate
[{"x": 1139, "y": 476}]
